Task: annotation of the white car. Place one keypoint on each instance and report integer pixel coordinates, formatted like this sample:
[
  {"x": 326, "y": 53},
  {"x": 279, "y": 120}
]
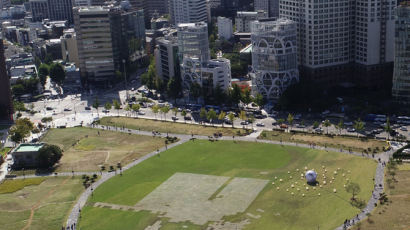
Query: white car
[
  {"x": 403, "y": 128},
  {"x": 351, "y": 130},
  {"x": 141, "y": 113},
  {"x": 259, "y": 124}
]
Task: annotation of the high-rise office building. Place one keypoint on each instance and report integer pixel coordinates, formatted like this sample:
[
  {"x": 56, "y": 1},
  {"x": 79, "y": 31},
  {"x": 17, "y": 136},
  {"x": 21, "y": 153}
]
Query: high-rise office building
[
  {"x": 401, "y": 76},
  {"x": 106, "y": 37},
  {"x": 82, "y": 2},
  {"x": 5, "y": 3},
  {"x": 127, "y": 26},
  {"x": 337, "y": 37},
  {"x": 274, "y": 56},
  {"x": 69, "y": 48},
  {"x": 196, "y": 66},
  {"x": 193, "y": 41},
  {"x": 55, "y": 10},
  {"x": 225, "y": 29},
  {"x": 94, "y": 41},
  {"x": 166, "y": 56},
  {"x": 39, "y": 10},
  {"x": 6, "y": 104},
  {"x": 269, "y": 6},
  {"x": 188, "y": 11}
]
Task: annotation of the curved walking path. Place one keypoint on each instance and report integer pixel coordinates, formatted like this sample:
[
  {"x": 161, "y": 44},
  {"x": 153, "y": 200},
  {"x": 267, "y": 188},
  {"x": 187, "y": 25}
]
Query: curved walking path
[{"x": 379, "y": 174}]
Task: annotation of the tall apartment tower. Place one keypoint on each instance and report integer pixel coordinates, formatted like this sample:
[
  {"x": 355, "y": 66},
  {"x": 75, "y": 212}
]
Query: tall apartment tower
[
  {"x": 339, "y": 38},
  {"x": 274, "y": 56},
  {"x": 401, "y": 76},
  {"x": 55, "y": 10},
  {"x": 6, "y": 104},
  {"x": 188, "y": 11},
  {"x": 271, "y": 7},
  {"x": 94, "y": 42}
]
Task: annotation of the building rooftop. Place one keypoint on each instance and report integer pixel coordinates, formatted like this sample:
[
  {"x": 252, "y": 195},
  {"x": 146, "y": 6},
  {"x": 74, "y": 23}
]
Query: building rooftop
[{"x": 28, "y": 147}]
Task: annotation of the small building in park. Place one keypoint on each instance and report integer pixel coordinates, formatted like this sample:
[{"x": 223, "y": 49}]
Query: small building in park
[{"x": 25, "y": 155}]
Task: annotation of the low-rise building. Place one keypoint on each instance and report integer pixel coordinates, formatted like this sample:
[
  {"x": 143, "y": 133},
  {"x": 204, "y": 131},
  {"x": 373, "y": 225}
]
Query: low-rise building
[
  {"x": 26, "y": 155},
  {"x": 244, "y": 18}
]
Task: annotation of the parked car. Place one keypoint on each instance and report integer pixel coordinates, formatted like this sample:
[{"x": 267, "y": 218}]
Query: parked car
[
  {"x": 188, "y": 118},
  {"x": 351, "y": 130},
  {"x": 49, "y": 108},
  {"x": 67, "y": 110},
  {"x": 175, "y": 118},
  {"x": 141, "y": 113},
  {"x": 318, "y": 130},
  {"x": 403, "y": 128},
  {"x": 106, "y": 111},
  {"x": 87, "y": 108},
  {"x": 283, "y": 126},
  {"x": 300, "y": 126},
  {"x": 244, "y": 123},
  {"x": 260, "y": 124}
]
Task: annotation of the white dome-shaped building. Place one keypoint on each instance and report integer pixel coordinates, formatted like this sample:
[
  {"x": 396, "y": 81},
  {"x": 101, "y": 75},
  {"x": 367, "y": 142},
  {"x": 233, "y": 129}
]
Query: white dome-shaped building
[{"x": 311, "y": 176}]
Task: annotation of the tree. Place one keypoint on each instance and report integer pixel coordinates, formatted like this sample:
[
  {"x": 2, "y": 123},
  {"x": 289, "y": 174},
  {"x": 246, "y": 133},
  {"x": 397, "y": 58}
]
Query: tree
[
  {"x": 195, "y": 90},
  {"x": 48, "y": 59},
  {"x": 135, "y": 108},
  {"x": 46, "y": 120},
  {"x": 231, "y": 118},
  {"x": 202, "y": 113},
  {"x": 57, "y": 73},
  {"x": 21, "y": 129},
  {"x": 290, "y": 120},
  {"x": 43, "y": 72},
  {"x": 242, "y": 116},
  {"x": 174, "y": 88},
  {"x": 388, "y": 128},
  {"x": 165, "y": 110},
  {"x": 211, "y": 115},
  {"x": 184, "y": 113},
  {"x": 354, "y": 189},
  {"x": 315, "y": 124},
  {"x": 251, "y": 120},
  {"x": 49, "y": 155},
  {"x": 107, "y": 106},
  {"x": 236, "y": 94},
  {"x": 155, "y": 110},
  {"x": 259, "y": 100},
  {"x": 246, "y": 96},
  {"x": 340, "y": 126},
  {"x": 327, "y": 123},
  {"x": 96, "y": 104},
  {"x": 117, "y": 106},
  {"x": 221, "y": 117},
  {"x": 359, "y": 126},
  {"x": 175, "y": 111},
  {"x": 19, "y": 106}
]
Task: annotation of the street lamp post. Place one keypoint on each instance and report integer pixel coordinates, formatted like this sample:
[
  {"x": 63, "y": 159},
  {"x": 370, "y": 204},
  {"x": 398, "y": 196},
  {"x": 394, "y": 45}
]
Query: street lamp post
[{"x": 125, "y": 75}]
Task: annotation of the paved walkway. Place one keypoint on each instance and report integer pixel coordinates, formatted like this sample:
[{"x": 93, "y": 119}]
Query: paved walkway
[{"x": 76, "y": 211}]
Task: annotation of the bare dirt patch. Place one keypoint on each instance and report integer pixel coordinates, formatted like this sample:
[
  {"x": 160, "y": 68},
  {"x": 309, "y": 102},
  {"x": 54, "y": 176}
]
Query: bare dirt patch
[{"x": 185, "y": 197}]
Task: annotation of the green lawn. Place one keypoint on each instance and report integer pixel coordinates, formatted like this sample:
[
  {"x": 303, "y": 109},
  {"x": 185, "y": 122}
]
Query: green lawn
[
  {"x": 171, "y": 127},
  {"x": 344, "y": 142},
  {"x": 85, "y": 149},
  {"x": 10, "y": 186},
  {"x": 281, "y": 210},
  {"x": 52, "y": 200}
]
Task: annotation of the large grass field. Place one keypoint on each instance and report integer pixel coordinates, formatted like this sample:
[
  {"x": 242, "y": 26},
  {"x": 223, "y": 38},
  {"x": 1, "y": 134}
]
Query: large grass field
[
  {"x": 344, "y": 142},
  {"x": 171, "y": 127},
  {"x": 50, "y": 202},
  {"x": 395, "y": 214},
  {"x": 85, "y": 149},
  {"x": 272, "y": 209}
]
